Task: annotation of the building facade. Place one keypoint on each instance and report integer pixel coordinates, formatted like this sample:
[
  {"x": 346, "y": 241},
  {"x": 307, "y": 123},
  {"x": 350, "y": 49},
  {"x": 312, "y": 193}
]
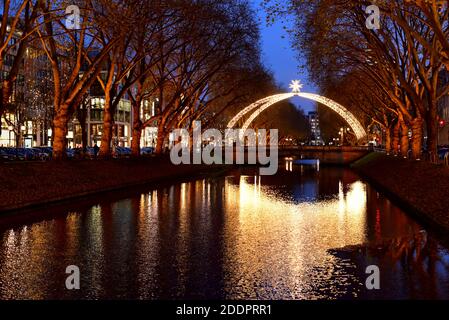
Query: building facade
[
  {"x": 28, "y": 124},
  {"x": 122, "y": 130},
  {"x": 9, "y": 133},
  {"x": 28, "y": 117},
  {"x": 315, "y": 131},
  {"x": 94, "y": 124}
]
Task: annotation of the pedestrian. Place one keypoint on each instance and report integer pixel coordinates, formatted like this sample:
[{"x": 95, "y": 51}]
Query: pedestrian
[{"x": 96, "y": 149}]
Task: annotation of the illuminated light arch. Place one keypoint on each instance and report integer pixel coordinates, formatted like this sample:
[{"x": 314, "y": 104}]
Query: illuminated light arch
[
  {"x": 265, "y": 103},
  {"x": 260, "y": 103}
]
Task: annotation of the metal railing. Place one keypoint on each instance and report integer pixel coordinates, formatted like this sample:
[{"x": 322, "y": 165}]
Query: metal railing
[{"x": 327, "y": 148}]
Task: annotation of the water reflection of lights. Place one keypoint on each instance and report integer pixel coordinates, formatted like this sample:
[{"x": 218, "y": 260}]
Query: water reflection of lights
[
  {"x": 183, "y": 198},
  {"x": 272, "y": 228},
  {"x": 356, "y": 198},
  {"x": 289, "y": 164},
  {"x": 243, "y": 237},
  {"x": 147, "y": 237},
  {"x": 313, "y": 163},
  {"x": 249, "y": 193}
]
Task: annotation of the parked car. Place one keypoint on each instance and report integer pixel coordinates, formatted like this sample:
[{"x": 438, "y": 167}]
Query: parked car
[
  {"x": 442, "y": 153},
  {"x": 9, "y": 154},
  {"x": 4, "y": 155},
  {"x": 147, "y": 151},
  {"x": 122, "y": 152},
  {"x": 70, "y": 153},
  {"x": 22, "y": 154},
  {"x": 90, "y": 152},
  {"x": 47, "y": 151}
]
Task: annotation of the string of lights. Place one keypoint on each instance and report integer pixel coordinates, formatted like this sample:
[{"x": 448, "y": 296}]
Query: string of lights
[{"x": 296, "y": 86}]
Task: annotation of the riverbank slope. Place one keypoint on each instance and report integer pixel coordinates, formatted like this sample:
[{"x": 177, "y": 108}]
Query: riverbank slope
[
  {"x": 28, "y": 184},
  {"x": 419, "y": 187}
]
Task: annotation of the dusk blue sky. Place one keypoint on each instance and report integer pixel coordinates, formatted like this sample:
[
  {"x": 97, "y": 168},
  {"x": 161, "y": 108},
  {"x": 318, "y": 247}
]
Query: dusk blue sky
[{"x": 280, "y": 58}]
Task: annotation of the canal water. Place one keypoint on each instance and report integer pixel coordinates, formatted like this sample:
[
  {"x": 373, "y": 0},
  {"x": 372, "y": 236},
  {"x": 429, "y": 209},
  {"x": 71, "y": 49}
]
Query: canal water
[{"x": 309, "y": 232}]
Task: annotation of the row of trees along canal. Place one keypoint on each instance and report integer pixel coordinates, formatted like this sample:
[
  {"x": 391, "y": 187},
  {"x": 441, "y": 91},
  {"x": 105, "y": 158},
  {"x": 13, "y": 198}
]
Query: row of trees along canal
[
  {"x": 201, "y": 59},
  {"x": 389, "y": 77}
]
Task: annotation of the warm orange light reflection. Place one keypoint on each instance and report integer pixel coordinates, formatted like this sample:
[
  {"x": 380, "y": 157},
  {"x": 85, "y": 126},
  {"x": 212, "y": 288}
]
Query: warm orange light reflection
[{"x": 272, "y": 231}]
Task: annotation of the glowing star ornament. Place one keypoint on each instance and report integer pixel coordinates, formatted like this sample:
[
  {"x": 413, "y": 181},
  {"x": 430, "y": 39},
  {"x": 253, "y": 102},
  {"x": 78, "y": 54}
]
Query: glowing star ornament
[
  {"x": 296, "y": 86},
  {"x": 256, "y": 108}
]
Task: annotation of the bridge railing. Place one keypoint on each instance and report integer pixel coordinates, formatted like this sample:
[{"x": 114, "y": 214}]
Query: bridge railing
[
  {"x": 328, "y": 148},
  {"x": 321, "y": 148}
]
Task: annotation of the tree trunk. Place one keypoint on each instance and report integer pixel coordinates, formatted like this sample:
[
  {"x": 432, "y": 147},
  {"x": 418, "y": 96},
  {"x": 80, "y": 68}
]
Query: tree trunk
[
  {"x": 404, "y": 139},
  {"x": 19, "y": 138},
  {"x": 191, "y": 146},
  {"x": 82, "y": 118},
  {"x": 388, "y": 140},
  {"x": 5, "y": 94},
  {"x": 84, "y": 138},
  {"x": 432, "y": 131},
  {"x": 135, "y": 144},
  {"x": 108, "y": 126},
  {"x": 395, "y": 143},
  {"x": 137, "y": 130},
  {"x": 52, "y": 135},
  {"x": 417, "y": 138},
  {"x": 160, "y": 140},
  {"x": 60, "y": 130}
]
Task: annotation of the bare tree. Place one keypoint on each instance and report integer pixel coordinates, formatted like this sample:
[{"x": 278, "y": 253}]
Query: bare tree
[
  {"x": 401, "y": 60},
  {"x": 221, "y": 33},
  {"x": 78, "y": 56}
]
